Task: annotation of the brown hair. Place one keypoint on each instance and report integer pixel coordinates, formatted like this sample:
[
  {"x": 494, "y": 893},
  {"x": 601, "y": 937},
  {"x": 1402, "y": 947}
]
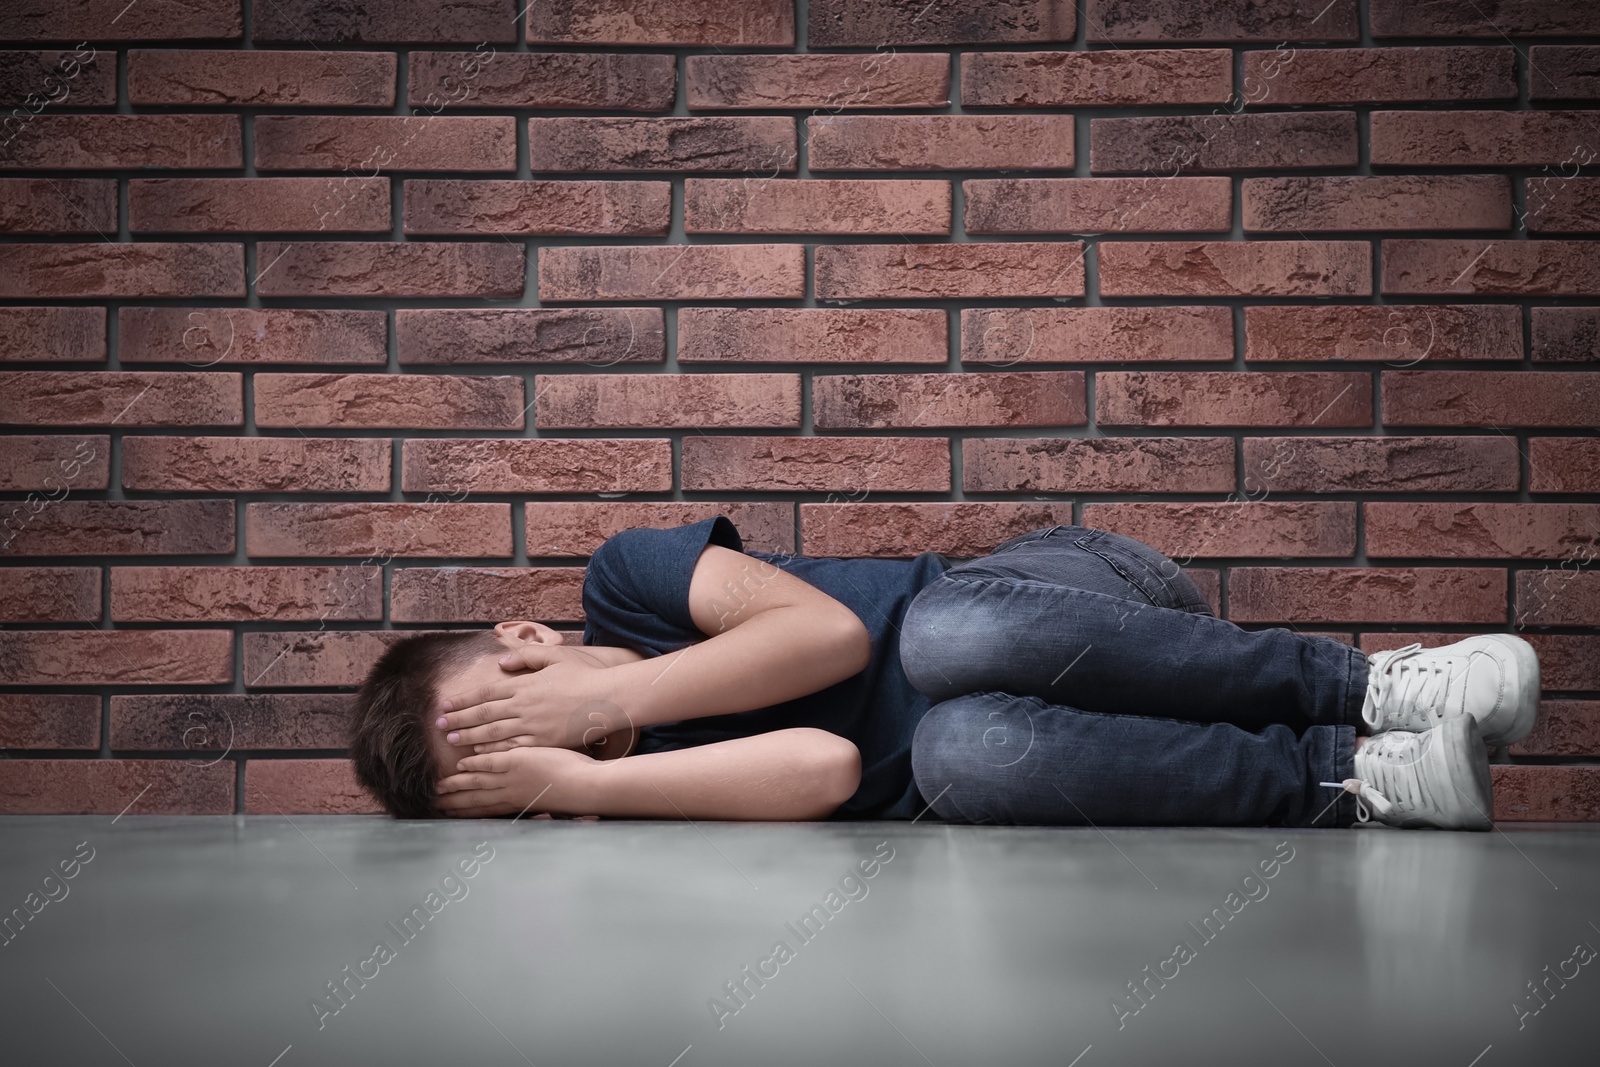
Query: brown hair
[{"x": 388, "y": 735}]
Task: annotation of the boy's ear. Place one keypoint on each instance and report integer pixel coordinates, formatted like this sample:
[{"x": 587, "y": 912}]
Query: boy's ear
[{"x": 523, "y": 632}]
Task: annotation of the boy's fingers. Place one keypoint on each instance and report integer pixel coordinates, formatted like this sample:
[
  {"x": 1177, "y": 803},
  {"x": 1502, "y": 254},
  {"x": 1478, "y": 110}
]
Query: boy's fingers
[
  {"x": 466, "y": 801},
  {"x": 475, "y": 779},
  {"x": 530, "y": 657},
  {"x": 485, "y": 763},
  {"x": 498, "y": 730},
  {"x": 467, "y": 698},
  {"x": 478, "y": 714}
]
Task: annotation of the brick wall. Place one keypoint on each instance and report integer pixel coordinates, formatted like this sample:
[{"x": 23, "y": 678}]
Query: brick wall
[{"x": 326, "y": 321}]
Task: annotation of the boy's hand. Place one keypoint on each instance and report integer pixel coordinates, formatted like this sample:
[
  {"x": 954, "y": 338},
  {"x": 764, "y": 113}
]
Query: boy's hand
[
  {"x": 554, "y": 696},
  {"x": 511, "y": 783}
]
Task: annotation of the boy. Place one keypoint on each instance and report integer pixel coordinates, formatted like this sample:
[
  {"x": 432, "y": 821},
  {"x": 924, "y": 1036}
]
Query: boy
[{"x": 1072, "y": 676}]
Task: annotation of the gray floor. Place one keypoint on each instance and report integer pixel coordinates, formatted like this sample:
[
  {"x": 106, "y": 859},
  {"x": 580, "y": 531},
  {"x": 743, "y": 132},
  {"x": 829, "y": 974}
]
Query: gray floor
[{"x": 208, "y": 940}]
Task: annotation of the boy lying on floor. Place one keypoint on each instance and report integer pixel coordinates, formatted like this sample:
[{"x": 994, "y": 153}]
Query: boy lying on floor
[{"x": 1072, "y": 676}]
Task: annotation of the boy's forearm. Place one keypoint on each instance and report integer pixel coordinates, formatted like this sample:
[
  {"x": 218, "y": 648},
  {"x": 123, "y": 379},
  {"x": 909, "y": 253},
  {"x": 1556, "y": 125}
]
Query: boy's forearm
[
  {"x": 776, "y": 656},
  {"x": 797, "y": 774}
]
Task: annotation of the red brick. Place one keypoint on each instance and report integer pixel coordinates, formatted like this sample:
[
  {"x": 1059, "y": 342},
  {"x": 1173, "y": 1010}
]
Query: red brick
[
  {"x": 115, "y": 657},
  {"x": 1003, "y": 336},
  {"x": 535, "y": 465},
  {"x": 754, "y": 144},
  {"x": 305, "y": 787},
  {"x": 1097, "y": 205},
  {"x": 380, "y": 268},
  {"x": 1564, "y": 71},
  {"x": 1235, "y": 268},
  {"x": 204, "y": 337},
  {"x": 854, "y": 465},
  {"x": 114, "y": 20},
  {"x": 961, "y": 530},
  {"x": 57, "y": 464},
  {"x": 1563, "y": 594},
  {"x": 51, "y": 594},
  {"x": 1384, "y": 202},
  {"x": 481, "y": 594},
  {"x": 378, "y": 529},
  {"x": 1238, "y": 527},
  {"x": 64, "y": 333},
  {"x": 537, "y": 208},
  {"x": 693, "y": 23},
  {"x": 879, "y": 401},
  {"x": 323, "y": 658},
  {"x": 256, "y": 464},
  {"x": 668, "y": 272},
  {"x": 1562, "y": 205},
  {"x": 1399, "y": 334},
  {"x": 421, "y": 21},
  {"x": 1456, "y": 138},
  {"x": 1232, "y": 398},
  {"x": 878, "y": 80},
  {"x": 1166, "y": 145},
  {"x": 904, "y": 271},
  {"x": 1564, "y": 728},
  {"x": 812, "y": 335},
  {"x": 58, "y": 205},
  {"x": 1098, "y": 464},
  {"x": 245, "y": 594},
  {"x": 664, "y": 401},
  {"x": 625, "y": 82},
  {"x": 820, "y": 205},
  {"x": 1567, "y": 662},
  {"x": 121, "y": 398},
  {"x": 88, "y": 75},
  {"x": 1220, "y": 20},
  {"x": 563, "y": 528},
  {"x": 1564, "y": 464},
  {"x": 465, "y": 143},
  {"x": 1379, "y": 75},
  {"x": 223, "y": 722},
  {"x": 127, "y": 528},
  {"x": 405, "y": 401},
  {"x": 1546, "y": 794},
  {"x": 1115, "y": 77},
  {"x": 1566, "y": 335},
  {"x": 1482, "y": 531},
  {"x": 853, "y": 23},
  {"x": 1490, "y": 398},
  {"x": 599, "y": 337},
  {"x": 107, "y": 787},
  {"x": 1519, "y": 268},
  {"x": 118, "y": 271},
  {"x": 1367, "y": 595},
  {"x": 939, "y": 142},
  {"x": 1481, "y": 18},
  {"x": 1381, "y": 465},
  {"x": 102, "y": 142},
  {"x": 243, "y": 205},
  {"x": 49, "y": 720},
  {"x": 260, "y": 78}
]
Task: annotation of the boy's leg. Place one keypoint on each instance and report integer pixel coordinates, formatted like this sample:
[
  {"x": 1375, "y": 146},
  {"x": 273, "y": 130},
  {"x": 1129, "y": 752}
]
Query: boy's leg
[
  {"x": 1101, "y": 623},
  {"x": 994, "y": 757}
]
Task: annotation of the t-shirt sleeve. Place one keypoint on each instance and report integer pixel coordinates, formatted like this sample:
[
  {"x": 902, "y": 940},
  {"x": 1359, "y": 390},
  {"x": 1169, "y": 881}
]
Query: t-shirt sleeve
[{"x": 636, "y": 588}]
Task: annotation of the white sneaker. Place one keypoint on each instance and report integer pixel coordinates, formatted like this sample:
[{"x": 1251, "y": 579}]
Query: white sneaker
[
  {"x": 1493, "y": 678},
  {"x": 1439, "y": 778}
]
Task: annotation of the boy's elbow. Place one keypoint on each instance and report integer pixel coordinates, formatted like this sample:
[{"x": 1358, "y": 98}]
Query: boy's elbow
[{"x": 855, "y": 644}]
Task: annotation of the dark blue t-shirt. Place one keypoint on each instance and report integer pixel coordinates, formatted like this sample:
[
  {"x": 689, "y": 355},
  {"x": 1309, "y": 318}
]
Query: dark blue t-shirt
[{"x": 636, "y": 595}]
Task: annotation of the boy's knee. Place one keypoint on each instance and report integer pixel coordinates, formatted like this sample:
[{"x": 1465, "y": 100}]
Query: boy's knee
[{"x": 963, "y": 750}]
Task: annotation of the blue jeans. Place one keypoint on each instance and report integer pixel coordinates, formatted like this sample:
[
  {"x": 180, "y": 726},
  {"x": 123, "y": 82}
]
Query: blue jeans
[{"x": 1079, "y": 677}]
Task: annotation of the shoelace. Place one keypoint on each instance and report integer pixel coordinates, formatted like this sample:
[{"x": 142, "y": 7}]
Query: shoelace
[
  {"x": 1421, "y": 686},
  {"x": 1387, "y": 785}
]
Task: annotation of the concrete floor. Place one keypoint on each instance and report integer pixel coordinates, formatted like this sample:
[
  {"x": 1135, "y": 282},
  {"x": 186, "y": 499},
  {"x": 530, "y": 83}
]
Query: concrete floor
[{"x": 207, "y": 941}]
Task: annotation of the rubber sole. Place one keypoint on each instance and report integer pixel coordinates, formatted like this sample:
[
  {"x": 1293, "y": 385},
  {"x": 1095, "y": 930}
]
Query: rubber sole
[
  {"x": 1527, "y": 695},
  {"x": 1469, "y": 771}
]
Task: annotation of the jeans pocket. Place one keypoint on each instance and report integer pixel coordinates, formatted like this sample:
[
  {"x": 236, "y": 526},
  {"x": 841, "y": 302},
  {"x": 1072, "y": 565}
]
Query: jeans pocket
[{"x": 1144, "y": 575}]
